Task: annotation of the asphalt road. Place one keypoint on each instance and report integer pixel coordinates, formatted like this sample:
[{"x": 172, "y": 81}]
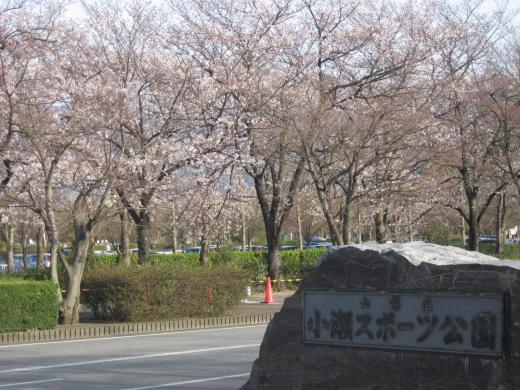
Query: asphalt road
[{"x": 198, "y": 359}]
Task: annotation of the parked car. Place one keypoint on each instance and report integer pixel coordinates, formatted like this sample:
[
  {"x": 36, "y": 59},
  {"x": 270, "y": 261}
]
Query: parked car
[
  {"x": 196, "y": 249},
  {"x": 487, "y": 239},
  {"x": 258, "y": 248},
  {"x": 136, "y": 251},
  {"x": 320, "y": 245},
  {"x": 32, "y": 262}
]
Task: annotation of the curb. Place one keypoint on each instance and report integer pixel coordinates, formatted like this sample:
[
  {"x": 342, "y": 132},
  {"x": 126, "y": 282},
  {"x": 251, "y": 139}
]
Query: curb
[{"x": 103, "y": 330}]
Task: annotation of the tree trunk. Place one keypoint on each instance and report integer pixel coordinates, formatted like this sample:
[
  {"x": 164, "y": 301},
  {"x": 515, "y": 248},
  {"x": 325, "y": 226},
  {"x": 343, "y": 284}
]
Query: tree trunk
[
  {"x": 40, "y": 248},
  {"x": 174, "y": 229},
  {"x": 24, "y": 254},
  {"x": 54, "y": 255},
  {"x": 463, "y": 231},
  {"x": 380, "y": 227},
  {"x": 347, "y": 223},
  {"x": 334, "y": 232},
  {"x": 82, "y": 231},
  {"x": 300, "y": 233},
  {"x": 204, "y": 249},
  {"x": 142, "y": 219},
  {"x": 274, "y": 262},
  {"x": 124, "y": 246},
  {"x": 499, "y": 225},
  {"x": 9, "y": 231},
  {"x": 143, "y": 238},
  {"x": 276, "y": 210},
  {"x": 175, "y": 244},
  {"x": 321, "y": 191},
  {"x": 52, "y": 232},
  {"x": 72, "y": 299},
  {"x": 359, "y": 228},
  {"x": 474, "y": 229},
  {"x": 244, "y": 231},
  {"x": 274, "y": 257},
  {"x": 410, "y": 226}
]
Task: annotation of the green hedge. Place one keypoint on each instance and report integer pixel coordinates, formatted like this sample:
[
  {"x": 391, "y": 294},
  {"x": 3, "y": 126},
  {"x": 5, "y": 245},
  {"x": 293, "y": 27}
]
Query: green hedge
[
  {"x": 162, "y": 291},
  {"x": 298, "y": 263},
  {"x": 295, "y": 263},
  {"x": 27, "y": 304},
  {"x": 511, "y": 251},
  {"x": 253, "y": 262}
]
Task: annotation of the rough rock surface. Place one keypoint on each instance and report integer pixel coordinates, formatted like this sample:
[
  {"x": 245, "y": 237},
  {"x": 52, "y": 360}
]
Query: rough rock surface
[{"x": 286, "y": 363}]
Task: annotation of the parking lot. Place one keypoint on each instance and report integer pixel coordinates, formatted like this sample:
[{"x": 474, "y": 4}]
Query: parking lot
[{"x": 198, "y": 359}]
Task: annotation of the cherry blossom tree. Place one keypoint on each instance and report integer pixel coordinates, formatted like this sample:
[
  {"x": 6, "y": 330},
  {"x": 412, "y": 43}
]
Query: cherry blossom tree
[
  {"x": 465, "y": 141},
  {"x": 502, "y": 106},
  {"x": 26, "y": 31},
  {"x": 153, "y": 83},
  {"x": 246, "y": 58},
  {"x": 66, "y": 157},
  {"x": 7, "y": 232},
  {"x": 90, "y": 164},
  {"x": 208, "y": 210},
  {"x": 41, "y": 140},
  {"x": 358, "y": 87}
]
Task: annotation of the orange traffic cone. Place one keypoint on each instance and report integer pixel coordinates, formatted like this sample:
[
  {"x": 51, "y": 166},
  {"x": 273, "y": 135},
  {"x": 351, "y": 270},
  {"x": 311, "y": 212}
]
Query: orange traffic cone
[{"x": 268, "y": 291}]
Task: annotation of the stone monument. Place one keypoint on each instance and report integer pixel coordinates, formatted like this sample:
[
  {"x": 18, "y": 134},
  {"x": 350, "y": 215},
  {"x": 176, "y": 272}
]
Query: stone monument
[{"x": 397, "y": 316}]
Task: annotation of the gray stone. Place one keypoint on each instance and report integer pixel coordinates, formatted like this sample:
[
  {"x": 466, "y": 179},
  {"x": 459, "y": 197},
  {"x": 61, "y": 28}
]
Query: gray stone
[{"x": 285, "y": 362}]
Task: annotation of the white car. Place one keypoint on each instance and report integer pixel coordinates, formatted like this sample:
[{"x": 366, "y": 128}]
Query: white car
[{"x": 32, "y": 261}]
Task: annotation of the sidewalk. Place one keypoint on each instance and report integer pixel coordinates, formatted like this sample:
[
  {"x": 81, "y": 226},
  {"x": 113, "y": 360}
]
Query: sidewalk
[{"x": 253, "y": 305}]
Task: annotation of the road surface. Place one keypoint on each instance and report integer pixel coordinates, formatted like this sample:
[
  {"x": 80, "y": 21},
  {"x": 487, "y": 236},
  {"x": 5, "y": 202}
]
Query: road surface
[{"x": 197, "y": 359}]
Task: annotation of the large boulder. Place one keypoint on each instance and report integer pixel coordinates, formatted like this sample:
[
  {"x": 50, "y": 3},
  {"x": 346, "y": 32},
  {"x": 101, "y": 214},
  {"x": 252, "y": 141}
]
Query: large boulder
[{"x": 286, "y": 362}]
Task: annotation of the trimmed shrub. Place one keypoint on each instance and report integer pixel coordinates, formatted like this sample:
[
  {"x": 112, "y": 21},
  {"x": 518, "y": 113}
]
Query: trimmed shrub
[
  {"x": 108, "y": 260},
  {"x": 177, "y": 258},
  {"x": 109, "y": 292},
  {"x": 253, "y": 262},
  {"x": 27, "y": 304},
  {"x": 298, "y": 263},
  {"x": 511, "y": 251},
  {"x": 308, "y": 259},
  {"x": 162, "y": 291},
  {"x": 295, "y": 263}
]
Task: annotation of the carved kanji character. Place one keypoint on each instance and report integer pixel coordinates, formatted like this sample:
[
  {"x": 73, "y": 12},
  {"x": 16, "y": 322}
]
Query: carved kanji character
[
  {"x": 405, "y": 326},
  {"x": 430, "y": 323},
  {"x": 325, "y": 323},
  {"x": 364, "y": 320},
  {"x": 484, "y": 331},
  {"x": 341, "y": 324},
  {"x": 453, "y": 335},
  {"x": 395, "y": 303},
  {"x": 314, "y": 324},
  {"x": 386, "y": 326},
  {"x": 427, "y": 305}
]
